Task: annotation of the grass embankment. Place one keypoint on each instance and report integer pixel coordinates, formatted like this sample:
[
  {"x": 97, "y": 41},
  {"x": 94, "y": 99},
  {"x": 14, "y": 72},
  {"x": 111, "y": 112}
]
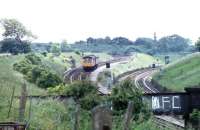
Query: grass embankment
[
  {"x": 138, "y": 60},
  {"x": 172, "y": 56},
  {"x": 183, "y": 73},
  {"x": 10, "y": 79}
]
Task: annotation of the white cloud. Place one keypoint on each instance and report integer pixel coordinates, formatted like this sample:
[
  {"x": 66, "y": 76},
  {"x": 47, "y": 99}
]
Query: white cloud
[{"x": 54, "y": 20}]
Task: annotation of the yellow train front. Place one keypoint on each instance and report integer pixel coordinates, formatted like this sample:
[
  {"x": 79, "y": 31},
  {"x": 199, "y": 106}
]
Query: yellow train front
[{"x": 89, "y": 63}]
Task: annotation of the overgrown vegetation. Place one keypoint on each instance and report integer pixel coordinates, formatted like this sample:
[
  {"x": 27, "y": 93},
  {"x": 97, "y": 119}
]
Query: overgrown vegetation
[
  {"x": 10, "y": 79},
  {"x": 36, "y": 72},
  {"x": 85, "y": 94}
]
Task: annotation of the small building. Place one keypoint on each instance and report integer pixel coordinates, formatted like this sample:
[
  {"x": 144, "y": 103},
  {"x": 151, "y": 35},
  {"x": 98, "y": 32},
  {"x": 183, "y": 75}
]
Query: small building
[{"x": 12, "y": 126}]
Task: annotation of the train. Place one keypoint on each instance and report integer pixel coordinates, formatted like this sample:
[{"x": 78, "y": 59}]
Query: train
[{"x": 89, "y": 63}]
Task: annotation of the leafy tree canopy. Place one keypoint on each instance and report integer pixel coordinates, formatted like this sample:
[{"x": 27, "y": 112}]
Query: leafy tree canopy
[
  {"x": 14, "y": 46},
  {"x": 14, "y": 29},
  {"x": 173, "y": 43}
]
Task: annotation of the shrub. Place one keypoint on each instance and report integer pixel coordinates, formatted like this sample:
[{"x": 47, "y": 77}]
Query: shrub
[
  {"x": 122, "y": 94},
  {"x": 34, "y": 59},
  {"x": 36, "y": 72},
  {"x": 83, "y": 92},
  {"x": 90, "y": 101},
  {"x": 48, "y": 79},
  {"x": 80, "y": 89},
  {"x": 23, "y": 66}
]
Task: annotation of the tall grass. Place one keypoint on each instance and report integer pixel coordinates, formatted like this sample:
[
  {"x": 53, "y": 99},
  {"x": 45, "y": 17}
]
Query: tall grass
[
  {"x": 180, "y": 74},
  {"x": 10, "y": 79}
]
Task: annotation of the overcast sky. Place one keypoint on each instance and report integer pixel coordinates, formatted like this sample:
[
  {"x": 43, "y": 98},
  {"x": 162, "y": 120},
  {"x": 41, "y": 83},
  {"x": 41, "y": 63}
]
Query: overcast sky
[{"x": 73, "y": 20}]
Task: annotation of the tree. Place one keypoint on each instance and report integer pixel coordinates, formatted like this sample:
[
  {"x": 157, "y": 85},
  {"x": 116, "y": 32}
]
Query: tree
[
  {"x": 14, "y": 34},
  {"x": 13, "y": 46},
  {"x": 64, "y": 47},
  {"x": 197, "y": 44},
  {"x": 14, "y": 29},
  {"x": 84, "y": 93},
  {"x": 173, "y": 43},
  {"x": 55, "y": 49}
]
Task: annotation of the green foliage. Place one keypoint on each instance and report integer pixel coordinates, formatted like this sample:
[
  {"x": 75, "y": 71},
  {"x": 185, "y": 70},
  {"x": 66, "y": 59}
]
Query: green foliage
[
  {"x": 27, "y": 64},
  {"x": 50, "y": 114},
  {"x": 173, "y": 43},
  {"x": 24, "y": 67},
  {"x": 47, "y": 79},
  {"x": 195, "y": 115},
  {"x": 125, "y": 92},
  {"x": 44, "y": 54},
  {"x": 56, "y": 49},
  {"x": 80, "y": 89},
  {"x": 59, "y": 89},
  {"x": 83, "y": 92},
  {"x": 14, "y": 29},
  {"x": 89, "y": 101},
  {"x": 36, "y": 72},
  {"x": 13, "y": 46},
  {"x": 124, "y": 46},
  {"x": 34, "y": 59}
]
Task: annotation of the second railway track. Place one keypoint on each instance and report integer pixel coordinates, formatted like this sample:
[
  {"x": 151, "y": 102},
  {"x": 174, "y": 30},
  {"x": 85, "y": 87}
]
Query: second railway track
[{"x": 142, "y": 80}]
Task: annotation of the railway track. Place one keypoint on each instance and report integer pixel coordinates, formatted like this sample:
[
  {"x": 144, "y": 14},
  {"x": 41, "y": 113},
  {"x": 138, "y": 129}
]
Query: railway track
[
  {"x": 142, "y": 80},
  {"x": 79, "y": 74}
]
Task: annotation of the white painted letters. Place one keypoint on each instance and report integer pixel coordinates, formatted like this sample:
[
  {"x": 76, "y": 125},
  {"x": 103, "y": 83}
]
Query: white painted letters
[
  {"x": 173, "y": 102},
  {"x": 165, "y": 100},
  {"x": 155, "y": 102}
]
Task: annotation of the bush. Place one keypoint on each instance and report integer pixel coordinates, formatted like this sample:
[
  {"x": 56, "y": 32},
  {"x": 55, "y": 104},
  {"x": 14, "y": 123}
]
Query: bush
[
  {"x": 24, "y": 66},
  {"x": 122, "y": 94},
  {"x": 47, "y": 79},
  {"x": 34, "y": 59},
  {"x": 36, "y": 72},
  {"x": 80, "y": 89},
  {"x": 90, "y": 101},
  {"x": 83, "y": 92}
]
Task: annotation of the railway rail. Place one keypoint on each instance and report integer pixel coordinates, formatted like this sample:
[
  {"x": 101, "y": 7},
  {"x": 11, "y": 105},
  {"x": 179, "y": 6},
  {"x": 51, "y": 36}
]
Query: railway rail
[
  {"x": 142, "y": 80},
  {"x": 79, "y": 74}
]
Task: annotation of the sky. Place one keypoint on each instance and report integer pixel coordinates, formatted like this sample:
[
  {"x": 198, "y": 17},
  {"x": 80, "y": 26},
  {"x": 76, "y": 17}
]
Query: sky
[{"x": 74, "y": 20}]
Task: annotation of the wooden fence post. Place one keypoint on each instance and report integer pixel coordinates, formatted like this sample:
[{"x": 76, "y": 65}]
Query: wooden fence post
[
  {"x": 22, "y": 102},
  {"x": 101, "y": 118},
  {"x": 12, "y": 96},
  {"x": 128, "y": 116},
  {"x": 77, "y": 113}
]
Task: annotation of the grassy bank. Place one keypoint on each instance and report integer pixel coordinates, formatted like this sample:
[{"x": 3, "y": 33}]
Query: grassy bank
[
  {"x": 180, "y": 74},
  {"x": 136, "y": 61},
  {"x": 10, "y": 79}
]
